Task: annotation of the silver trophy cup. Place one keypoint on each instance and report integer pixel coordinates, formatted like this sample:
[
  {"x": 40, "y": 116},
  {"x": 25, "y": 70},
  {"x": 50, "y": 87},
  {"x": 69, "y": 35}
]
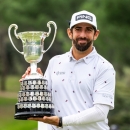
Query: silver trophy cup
[{"x": 34, "y": 100}]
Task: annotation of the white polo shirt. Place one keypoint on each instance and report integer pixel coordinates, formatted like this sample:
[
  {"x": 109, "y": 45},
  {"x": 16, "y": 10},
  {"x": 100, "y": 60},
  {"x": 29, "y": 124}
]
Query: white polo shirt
[{"x": 77, "y": 85}]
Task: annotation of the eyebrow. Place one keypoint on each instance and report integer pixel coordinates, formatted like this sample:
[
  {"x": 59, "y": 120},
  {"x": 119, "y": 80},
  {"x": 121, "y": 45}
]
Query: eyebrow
[
  {"x": 77, "y": 27},
  {"x": 86, "y": 27}
]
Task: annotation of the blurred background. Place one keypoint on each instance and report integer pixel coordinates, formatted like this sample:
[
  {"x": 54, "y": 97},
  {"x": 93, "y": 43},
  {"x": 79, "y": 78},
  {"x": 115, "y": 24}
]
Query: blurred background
[{"x": 113, "y": 43}]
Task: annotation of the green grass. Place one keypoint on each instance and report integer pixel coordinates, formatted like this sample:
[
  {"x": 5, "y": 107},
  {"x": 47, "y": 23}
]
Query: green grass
[
  {"x": 7, "y": 101},
  {"x": 7, "y": 108},
  {"x": 7, "y": 121},
  {"x": 12, "y": 83}
]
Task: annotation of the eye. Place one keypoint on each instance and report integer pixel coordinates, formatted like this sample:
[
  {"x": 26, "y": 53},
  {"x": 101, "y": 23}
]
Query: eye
[
  {"x": 90, "y": 29},
  {"x": 78, "y": 29}
]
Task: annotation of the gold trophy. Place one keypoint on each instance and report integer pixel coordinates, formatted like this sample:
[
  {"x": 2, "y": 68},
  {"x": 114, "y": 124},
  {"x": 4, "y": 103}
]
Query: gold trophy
[{"x": 34, "y": 100}]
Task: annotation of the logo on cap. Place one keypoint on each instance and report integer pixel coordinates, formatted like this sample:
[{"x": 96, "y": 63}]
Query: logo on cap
[{"x": 84, "y": 16}]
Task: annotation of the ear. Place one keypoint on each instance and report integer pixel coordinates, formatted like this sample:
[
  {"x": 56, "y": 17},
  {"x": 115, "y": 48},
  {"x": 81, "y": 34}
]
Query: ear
[
  {"x": 69, "y": 33},
  {"x": 96, "y": 34}
]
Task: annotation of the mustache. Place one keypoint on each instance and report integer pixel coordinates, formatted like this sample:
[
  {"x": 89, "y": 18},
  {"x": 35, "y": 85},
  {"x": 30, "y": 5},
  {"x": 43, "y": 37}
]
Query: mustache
[{"x": 82, "y": 38}]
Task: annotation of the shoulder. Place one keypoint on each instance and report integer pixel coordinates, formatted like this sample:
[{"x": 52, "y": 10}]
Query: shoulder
[
  {"x": 58, "y": 58},
  {"x": 104, "y": 63},
  {"x": 103, "y": 66}
]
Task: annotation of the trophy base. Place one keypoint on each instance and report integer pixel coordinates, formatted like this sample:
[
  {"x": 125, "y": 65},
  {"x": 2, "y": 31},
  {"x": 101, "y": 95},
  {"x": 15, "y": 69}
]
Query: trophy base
[
  {"x": 34, "y": 100},
  {"x": 26, "y": 115}
]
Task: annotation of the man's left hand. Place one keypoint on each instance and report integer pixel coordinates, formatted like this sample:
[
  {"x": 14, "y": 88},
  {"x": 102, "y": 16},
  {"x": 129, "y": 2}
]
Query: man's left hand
[{"x": 53, "y": 120}]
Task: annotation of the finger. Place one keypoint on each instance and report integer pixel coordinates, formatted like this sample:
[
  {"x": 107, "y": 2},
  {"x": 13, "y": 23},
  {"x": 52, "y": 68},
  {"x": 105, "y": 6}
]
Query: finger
[
  {"x": 29, "y": 69},
  {"x": 39, "y": 71},
  {"x": 54, "y": 120},
  {"x": 24, "y": 75},
  {"x": 36, "y": 119},
  {"x": 21, "y": 79},
  {"x": 27, "y": 72}
]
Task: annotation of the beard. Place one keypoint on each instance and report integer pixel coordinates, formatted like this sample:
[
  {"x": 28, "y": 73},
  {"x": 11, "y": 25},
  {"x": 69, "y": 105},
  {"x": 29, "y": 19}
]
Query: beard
[{"x": 82, "y": 46}]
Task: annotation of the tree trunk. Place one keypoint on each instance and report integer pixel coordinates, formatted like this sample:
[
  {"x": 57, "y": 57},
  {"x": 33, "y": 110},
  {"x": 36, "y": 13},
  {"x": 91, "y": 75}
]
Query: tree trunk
[{"x": 3, "y": 63}]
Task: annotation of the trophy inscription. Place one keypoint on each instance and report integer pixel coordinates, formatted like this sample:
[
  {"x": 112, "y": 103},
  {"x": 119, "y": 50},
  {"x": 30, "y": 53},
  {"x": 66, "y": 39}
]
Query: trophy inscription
[{"x": 34, "y": 100}]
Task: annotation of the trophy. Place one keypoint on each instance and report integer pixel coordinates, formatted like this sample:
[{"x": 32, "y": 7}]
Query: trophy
[{"x": 34, "y": 99}]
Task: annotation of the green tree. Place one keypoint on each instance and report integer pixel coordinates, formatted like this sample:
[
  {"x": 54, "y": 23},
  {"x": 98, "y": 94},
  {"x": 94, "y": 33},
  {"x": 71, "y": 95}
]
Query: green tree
[
  {"x": 113, "y": 22},
  {"x": 32, "y": 15}
]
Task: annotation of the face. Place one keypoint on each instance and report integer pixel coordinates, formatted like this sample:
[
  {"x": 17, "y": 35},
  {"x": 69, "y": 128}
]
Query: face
[{"x": 82, "y": 36}]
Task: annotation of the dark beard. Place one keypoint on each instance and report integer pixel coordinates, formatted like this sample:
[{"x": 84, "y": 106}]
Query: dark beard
[{"x": 82, "y": 47}]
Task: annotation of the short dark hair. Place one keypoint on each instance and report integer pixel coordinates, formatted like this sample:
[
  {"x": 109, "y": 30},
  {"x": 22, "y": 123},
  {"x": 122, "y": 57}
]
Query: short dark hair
[
  {"x": 94, "y": 28},
  {"x": 74, "y": 25}
]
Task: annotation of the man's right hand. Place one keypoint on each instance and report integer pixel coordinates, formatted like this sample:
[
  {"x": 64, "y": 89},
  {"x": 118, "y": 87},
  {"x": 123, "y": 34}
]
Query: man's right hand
[{"x": 28, "y": 71}]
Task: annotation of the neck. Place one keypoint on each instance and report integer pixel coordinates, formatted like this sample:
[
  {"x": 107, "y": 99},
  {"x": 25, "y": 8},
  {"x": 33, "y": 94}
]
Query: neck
[{"x": 80, "y": 54}]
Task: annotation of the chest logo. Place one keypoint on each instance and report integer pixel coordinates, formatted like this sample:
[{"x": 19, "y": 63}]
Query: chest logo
[{"x": 60, "y": 73}]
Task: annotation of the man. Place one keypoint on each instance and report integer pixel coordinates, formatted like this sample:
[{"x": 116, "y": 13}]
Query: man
[{"x": 82, "y": 81}]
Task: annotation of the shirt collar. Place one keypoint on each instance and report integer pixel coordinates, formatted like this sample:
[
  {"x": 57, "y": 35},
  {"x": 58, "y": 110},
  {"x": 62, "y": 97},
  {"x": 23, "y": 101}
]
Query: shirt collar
[{"x": 86, "y": 59}]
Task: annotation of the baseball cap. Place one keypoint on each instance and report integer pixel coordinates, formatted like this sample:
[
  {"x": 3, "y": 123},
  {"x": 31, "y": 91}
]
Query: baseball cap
[{"x": 83, "y": 17}]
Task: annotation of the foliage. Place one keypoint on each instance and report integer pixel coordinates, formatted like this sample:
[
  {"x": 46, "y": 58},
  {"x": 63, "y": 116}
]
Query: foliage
[
  {"x": 7, "y": 121},
  {"x": 121, "y": 115},
  {"x": 113, "y": 42},
  {"x": 113, "y": 23}
]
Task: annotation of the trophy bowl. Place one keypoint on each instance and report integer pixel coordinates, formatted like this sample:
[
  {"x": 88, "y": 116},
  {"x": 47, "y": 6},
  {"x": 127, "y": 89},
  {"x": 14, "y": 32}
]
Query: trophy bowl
[
  {"x": 32, "y": 45},
  {"x": 34, "y": 99}
]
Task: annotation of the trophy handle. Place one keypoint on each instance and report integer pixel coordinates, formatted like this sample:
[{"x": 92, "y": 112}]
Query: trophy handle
[
  {"x": 48, "y": 25},
  {"x": 15, "y": 28}
]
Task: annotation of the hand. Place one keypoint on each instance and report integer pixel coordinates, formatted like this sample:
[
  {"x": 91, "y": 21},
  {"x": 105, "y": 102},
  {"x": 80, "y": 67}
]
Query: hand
[
  {"x": 28, "y": 71},
  {"x": 53, "y": 120}
]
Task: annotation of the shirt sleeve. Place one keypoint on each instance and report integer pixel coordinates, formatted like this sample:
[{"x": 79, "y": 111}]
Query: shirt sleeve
[
  {"x": 94, "y": 114},
  {"x": 104, "y": 89}
]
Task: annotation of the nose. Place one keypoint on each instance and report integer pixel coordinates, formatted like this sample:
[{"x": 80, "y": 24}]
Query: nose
[{"x": 83, "y": 34}]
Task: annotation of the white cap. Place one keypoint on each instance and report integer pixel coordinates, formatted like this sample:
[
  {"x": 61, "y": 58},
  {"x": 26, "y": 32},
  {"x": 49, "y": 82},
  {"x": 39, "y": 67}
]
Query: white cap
[{"x": 83, "y": 17}]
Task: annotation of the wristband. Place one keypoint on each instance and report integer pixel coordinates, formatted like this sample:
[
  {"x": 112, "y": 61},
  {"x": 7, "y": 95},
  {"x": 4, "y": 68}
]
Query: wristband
[{"x": 60, "y": 122}]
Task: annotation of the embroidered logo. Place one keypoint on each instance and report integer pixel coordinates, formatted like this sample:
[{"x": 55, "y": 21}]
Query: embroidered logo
[
  {"x": 107, "y": 95},
  {"x": 60, "y": 73},
  {"x": 84, "y": 16}
]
